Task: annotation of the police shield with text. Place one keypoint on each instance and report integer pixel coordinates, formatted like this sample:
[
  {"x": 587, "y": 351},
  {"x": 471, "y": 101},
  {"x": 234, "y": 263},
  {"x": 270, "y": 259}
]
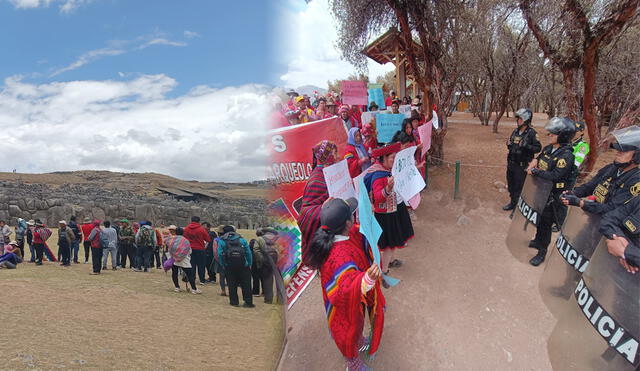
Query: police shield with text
[
  {"x": 616, "y": 183},
  {"x": 556, "y": 164},
  {"x": 601, "y": 328},
  {"x": 569, "y": 259},
  {"x": 621, "y": 228},
  {"x": 523, "y": 144}
]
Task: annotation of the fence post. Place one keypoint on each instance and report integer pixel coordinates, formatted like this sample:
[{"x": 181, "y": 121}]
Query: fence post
[{"x": 456, "y": 189}]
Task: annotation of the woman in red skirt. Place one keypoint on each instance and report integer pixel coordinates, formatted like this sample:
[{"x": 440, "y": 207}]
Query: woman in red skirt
[{"x": 350, "y": 287}]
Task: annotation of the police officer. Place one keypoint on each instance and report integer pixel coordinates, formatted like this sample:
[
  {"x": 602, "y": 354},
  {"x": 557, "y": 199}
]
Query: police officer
[
  {"x": 621, "y": 227},
  {"x": 523, "y": 144},
  {"x": 580, "y": 146},
  {"x": 554, "y": 163},
  {"x": 616, "y": 183}
]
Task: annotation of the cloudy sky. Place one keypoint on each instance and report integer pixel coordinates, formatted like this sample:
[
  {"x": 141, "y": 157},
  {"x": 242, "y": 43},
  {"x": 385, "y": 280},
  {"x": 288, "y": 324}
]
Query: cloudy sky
[
  {"x": 175, "y": 88},
  {"x": 306, "y": 46}
]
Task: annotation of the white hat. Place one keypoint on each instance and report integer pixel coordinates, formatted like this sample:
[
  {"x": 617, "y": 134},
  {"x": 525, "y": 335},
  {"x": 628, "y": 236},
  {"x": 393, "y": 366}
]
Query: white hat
[
  {"x": 62, "y": 222},
  {"x": 172, "y": 227}
]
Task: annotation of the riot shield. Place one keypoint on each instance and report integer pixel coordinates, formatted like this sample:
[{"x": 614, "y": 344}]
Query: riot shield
[
  {"x": 601, "y": 328},
  {"x": 569, "y": 259},
  {"x": 527, "y": 214}
]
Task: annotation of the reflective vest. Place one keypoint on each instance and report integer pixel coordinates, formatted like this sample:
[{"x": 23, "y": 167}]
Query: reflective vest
[{"x": 580, "y": 151}]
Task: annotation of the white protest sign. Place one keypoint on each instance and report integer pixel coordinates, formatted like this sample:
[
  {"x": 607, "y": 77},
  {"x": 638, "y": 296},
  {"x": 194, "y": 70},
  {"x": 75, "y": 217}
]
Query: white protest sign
[
  {"x": 338, "y": 179},
  {"x": 425, "y": 136},
  {"x": 407, "y": 179},
  {"x": 436, "y": 124},
  {"x": 368, "y": 116},
  {"x": 406, "y": 109}
]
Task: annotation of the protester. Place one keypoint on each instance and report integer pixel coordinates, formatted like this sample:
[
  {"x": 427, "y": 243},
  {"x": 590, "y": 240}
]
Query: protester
[
  {"x": 5, "y": 233},
  {"x": 305, "y": 113},
  {"x": 218, "y": 266},
  {"x": 390, "y": 99},
  {"x": 110, "y": 237},
  {"x": 373, "y": 107},
  {"x": 127, "y": 249},
  {"x": 77, "y": 237},
  {"x": 21, "y": 231},
  {"x": 236, "y": 258},
  {"x": 209, "y": 261},
  {"x": 369, "y": 138},
  {"x": 179, "y": 250},
  {"x": 198, "y": 237},
  {"x": 349, "y": 282},
  {"x": 356, "y": 154},
  {"x": 256, "y": 263},
  {"x": 347, "y": 120},
  {"x": 157, "y": 248},
  {"x": 96, "y": 247},
  {"x": 11, "y": 256},
  {"x": 40, "y": 236},
  {"x": 145, "y": 243},
  {"x": 65, "y": 239},
  {"x": 265, "y": 249},
  {"x": 332, "y": 107},
  {"x": 86, "y": 227},
  {"x": 405, "y": 136},
  {"x": 322, "y": 112},
  {"x": 315, "y": 193},
  {"x": 395, "y": 107},
  {"x": 30, "y": 226},
  {"x": 390, "y": 212}
]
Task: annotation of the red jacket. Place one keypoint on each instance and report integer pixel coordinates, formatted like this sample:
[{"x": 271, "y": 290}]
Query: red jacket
[
  {"x": 353, "y": 160},
  {"x": 197, "y": 236},
  {"x": 86, "y": 231}
]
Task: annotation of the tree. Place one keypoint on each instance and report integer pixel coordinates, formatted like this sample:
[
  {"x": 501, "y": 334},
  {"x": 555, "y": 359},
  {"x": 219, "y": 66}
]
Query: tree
[{"x": 572, "y": 34}]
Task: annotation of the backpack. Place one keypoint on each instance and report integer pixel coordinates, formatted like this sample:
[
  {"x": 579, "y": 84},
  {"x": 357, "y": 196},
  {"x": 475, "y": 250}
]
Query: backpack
[
  {"x": 179, "y": 248},
  {"x": 104, "y": 240},
  {"x": 146, "y": 237},
  {"x": 234, "y": 255},
  {"x": 76, "y": 231},
  {"x": 271, "y": 251}
]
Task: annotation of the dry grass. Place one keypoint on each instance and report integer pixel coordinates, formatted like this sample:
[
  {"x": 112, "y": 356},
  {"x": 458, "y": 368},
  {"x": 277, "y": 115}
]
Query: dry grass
[{"x": 62, "y": 317}]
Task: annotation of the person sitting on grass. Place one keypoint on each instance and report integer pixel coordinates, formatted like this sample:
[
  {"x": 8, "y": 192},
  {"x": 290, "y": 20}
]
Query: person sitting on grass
[{"x": 11, "y": 256}]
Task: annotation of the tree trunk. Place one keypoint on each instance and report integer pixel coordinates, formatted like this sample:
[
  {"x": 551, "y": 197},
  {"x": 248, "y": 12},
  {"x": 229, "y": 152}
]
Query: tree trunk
[
  {"x": 589, "y": 67},
  {"x": 570, "y": 95},
  {"x": 499, "y": 115}
]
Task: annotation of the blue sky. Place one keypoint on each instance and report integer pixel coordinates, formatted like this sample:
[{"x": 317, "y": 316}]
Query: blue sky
[{"x": 196, "y": 42}]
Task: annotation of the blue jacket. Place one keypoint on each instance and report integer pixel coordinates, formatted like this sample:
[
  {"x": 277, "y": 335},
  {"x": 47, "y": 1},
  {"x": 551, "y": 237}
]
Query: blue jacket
[{"x": 222, "y": 249}]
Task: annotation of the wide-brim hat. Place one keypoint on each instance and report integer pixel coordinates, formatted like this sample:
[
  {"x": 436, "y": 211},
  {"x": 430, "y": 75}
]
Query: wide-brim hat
[
  {"x": 172, "y": 227},
  {"x": 31, "y": 222},
  {"x": 386, "y": 150},
  {"x": 87, "y": 220}
]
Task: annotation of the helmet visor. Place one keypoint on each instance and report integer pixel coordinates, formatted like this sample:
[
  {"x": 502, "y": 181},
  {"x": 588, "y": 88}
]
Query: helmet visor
[{"x": 626, "y": 139}]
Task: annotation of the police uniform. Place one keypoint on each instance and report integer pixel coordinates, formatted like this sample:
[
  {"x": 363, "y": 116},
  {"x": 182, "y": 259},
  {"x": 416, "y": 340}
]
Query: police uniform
[
  {"x": 624, "y": 221},
  {"x": 522, "y": 148},
  {"x": 611, "y": 189},
  {"x": 558, "y": 167}
]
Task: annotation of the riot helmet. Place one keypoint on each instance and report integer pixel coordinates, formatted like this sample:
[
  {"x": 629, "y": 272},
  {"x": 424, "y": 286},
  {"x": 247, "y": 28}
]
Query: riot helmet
[
  {"x": 580, "y": 126},
  {"x": 563, "y": 127},
  {"x": 525, "y": 114},
  {"x": 627, "y": 139}
]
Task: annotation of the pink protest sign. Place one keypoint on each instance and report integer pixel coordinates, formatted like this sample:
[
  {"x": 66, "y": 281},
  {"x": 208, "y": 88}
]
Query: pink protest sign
[
  {"x": 425, "y": 136},
  {"x": 354, "y": 92}
]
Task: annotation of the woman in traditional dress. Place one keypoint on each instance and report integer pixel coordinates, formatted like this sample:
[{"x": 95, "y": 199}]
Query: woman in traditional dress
[
  {"x": 389, "y": 210},
  {"x": 405, "y": 135},
  {"x": 315, "y": 193},
  {"x": 369, "y": 137},
  {"x": 356, "y": 154},
  {"x": 322, "y": 112},
  {"x": 349, "y": 282}
]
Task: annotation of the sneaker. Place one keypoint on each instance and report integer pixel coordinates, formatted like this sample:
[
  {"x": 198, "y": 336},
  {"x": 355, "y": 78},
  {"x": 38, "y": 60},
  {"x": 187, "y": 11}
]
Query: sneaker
[
  {"x": 235, "y": 305},
  {"x": 94, "y": 273},
  {"x": 196, "y": 291},
  {"x": 202, "y": 283},
  {"x": 114, "y": 269},
  {"x": 177, "y": 289},
  {"x": 104, "y": 268},
  {"x": 86, "y": 262},
  {"x": 256, "y": 295},
  {"x": 76, "y": 262},
  {"x": 247, "y": 305},
  {"x": 136, "y": 270}
]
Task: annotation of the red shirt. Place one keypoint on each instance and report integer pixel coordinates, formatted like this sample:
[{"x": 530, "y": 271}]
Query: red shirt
[
  {"x": 196, "y": 235},
  {"x": 86, "y": 230}
]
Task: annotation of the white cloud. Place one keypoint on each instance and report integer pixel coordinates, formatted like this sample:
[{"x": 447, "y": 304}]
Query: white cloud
[
  {"x": 206, "y": 134},
  {"x": 66, "y": 6},
  {"x": 311, "y": 53},
  {"x": 190, "y": 34},
  {"x": 117, "y": 47}
]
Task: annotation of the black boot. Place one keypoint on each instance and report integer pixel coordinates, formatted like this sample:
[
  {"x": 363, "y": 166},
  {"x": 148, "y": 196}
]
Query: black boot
[
  {"x": 539, "y": 258},
  {"x": 510, "y": 206}
]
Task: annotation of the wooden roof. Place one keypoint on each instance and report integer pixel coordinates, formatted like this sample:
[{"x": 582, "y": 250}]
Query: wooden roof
[{"x": 383, "y": 49}]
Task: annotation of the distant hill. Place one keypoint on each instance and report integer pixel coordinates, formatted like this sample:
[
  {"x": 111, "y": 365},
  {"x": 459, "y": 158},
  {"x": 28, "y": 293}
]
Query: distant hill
[{"x": 309, "y": 89}]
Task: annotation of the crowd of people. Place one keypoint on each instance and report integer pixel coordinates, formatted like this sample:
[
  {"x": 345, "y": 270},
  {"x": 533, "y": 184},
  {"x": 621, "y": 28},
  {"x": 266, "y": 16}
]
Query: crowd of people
[
  {"x": 331, "y": 241},
  {"x": 192, "y": 253}
]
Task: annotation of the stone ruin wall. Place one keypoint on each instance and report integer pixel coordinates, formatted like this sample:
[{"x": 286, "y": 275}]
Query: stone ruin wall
[{"x": 52, "y": 204}]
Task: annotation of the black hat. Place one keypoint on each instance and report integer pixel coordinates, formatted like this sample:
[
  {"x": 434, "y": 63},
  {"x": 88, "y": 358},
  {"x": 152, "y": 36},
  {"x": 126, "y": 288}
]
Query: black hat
[
  {"x": 227, "y": 229},
  {"x": 335, "y": 212}
]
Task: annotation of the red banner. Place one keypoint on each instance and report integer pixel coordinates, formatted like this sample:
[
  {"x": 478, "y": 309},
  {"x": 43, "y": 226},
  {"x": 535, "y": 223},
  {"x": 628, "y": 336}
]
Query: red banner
[{"x": 290, "y": 168}]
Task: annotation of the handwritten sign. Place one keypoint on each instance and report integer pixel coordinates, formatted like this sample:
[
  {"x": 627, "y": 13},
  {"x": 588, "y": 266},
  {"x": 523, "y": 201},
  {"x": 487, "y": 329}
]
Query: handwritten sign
[
  {"x": 407, "y": 179},
  {"x": 376, "y": 95},
  {"x": 338, "y": 180},
  {"x": 434, "y": 120},
  {"x": 405, "y": 109},
  {"x": 424, "y": 131},
  {"x": 369, "y": 225},
  {"x": 367, "y": 117},
  {"x": 354, "y": 92},
  {"x": 387, "y": 124}
]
